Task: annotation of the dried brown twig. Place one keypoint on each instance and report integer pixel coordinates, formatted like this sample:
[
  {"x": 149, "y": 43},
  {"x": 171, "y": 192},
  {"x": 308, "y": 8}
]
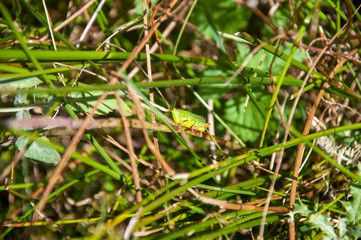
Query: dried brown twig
[{"x": 70, "y": 123}]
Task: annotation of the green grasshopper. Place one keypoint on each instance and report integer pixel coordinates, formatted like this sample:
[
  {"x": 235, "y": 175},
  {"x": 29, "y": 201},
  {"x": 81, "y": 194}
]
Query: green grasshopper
[
  {"x": 193, "y": 121},
  {"x": 189, "y": 120}
]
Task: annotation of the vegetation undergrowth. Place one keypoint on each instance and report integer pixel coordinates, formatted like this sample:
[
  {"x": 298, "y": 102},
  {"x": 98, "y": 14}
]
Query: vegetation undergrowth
[{"x": 180, "y": 119}]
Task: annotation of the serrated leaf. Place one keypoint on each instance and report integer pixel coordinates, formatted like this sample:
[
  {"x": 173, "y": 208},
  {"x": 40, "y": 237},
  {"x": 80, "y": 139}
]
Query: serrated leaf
[
  {"x": 38, "y": 151},
  {"x": 342, "y": 227},
  {"x": 317, "y": 220},
  {"x": 353, "y": 207},
  {"x": 322, "y": 222},
  {"x": 301, "y": 209}
]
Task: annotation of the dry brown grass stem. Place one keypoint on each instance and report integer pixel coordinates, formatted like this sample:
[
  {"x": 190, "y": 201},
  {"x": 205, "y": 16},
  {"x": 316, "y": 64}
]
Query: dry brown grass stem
[{"x": 65, "y": 158}]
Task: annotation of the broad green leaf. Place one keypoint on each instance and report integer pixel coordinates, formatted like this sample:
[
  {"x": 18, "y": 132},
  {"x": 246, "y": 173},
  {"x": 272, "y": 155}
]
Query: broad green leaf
[
  {"x": 24, "y": 113},
  {"x": 20, "y": 99},
  {"x": 12, "y": 84},
  {"x": 38, "y": 151},
  {"x": 85, "y": 101},
  {"x": 229, "y": 17},
  {"x": 262, "y": 60},
  {"x": 245, "y": 120},
  {"x": 214, "y": 91}
]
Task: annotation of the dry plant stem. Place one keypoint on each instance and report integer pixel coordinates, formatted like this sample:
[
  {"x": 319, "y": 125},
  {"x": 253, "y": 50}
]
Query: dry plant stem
[
  {"x": 127, "y": 166},
  {"x": 306, "y": 130},
  {"x": 147, "y": 233},
  {"x": 125, "y": 65},
  {"x": 152, "y": 148},
  {"x": 69, "y": 19},
  {"x": 234, "y": 206},
  {"x": 72, "y": 17},
  {"x": 329, "y": 52},
  {"x": 165, "y": 34},
  {"x": 164, "y": 62},
  {"x": 60, "y": 122},
  {"x": 133, "y": 164},
  {"x": 273, "y": 88},
  {"x": 263, "y": 200},
  {"x": 65, "y": 159},
  {"x": 189, "y": 25},
  {"x": 49, "y": 24},
  {"x": 140, "y": 46},
  {"x": 128, "y": 138},
  {"x": 90, "y": 23},
  {"x": 145, "y": 163},
  {"x": 11, "y": 216},
  {"x": 132, "y": 222},
  {"x": 249, "y": 57},
  {"x": 292, "y": 233},
  {"x": 210, "y": 119},
  {"x": 153, "y": 10},
  {"x": 301, "y": 147},
  {"x": 259, "y": 14},
  {"x": 299, "y": 156},
  {"x": 279, "y": 159},
  {"x": 149, "y": 74},
  {"x": 82, "y": 70},
  {"x": 12, "y": 165},
  {"x": 116, "y": 157}
]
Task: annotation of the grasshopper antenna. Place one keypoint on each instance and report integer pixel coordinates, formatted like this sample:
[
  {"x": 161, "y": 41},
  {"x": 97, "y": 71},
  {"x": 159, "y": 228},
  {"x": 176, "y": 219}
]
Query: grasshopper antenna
[
  {"x": 165, "y": 100},
  {"x": 174, "y": 104}
]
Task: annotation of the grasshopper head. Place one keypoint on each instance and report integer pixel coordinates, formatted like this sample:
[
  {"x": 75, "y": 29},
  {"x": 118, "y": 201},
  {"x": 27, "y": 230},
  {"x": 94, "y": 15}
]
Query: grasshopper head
[{"x": 176, "y": 115}]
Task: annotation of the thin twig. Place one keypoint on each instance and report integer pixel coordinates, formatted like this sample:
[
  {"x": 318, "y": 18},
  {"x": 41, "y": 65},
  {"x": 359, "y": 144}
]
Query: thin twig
[
  {"x": 149, "y": 74},
  {"x": 152, "y": 148},
  {"x": 306, "y": 130},
  {"x": 234, "y": 206},
  {"x": 129, "y": 141},
  {"x": 90, "y": 23},
  {"x": 66, "y": 156},
  {"x": 140, "y": 46},
  {"x": 70, "y": 123},
  {"x": 72, "y": 17}
]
